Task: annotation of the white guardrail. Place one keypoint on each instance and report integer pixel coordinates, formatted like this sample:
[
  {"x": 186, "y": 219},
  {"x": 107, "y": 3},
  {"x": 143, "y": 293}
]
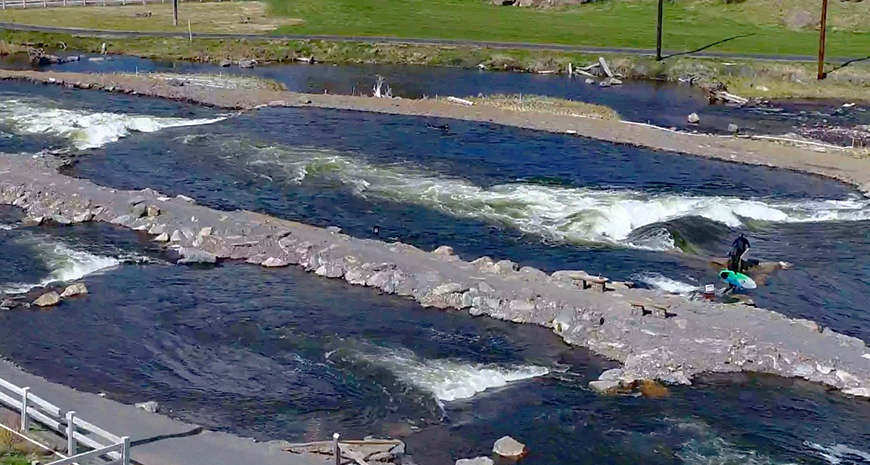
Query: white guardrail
[
  {"x": 108, "y": 448},
  {"x": 24, "y": 4}
]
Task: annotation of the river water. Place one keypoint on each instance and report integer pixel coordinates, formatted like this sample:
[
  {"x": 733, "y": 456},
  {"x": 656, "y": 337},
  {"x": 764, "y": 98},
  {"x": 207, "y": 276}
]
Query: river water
[
  {"x": 663, "y": 104},
  {"x": 284, "y": 355}
]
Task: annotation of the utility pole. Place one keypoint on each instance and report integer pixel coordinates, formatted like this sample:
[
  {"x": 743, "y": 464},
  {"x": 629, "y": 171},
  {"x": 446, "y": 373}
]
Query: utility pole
[
  {"x": 175, "y": 12},
  {"x": 659, "y": 32},
  {"x": 823, "y": 27}
]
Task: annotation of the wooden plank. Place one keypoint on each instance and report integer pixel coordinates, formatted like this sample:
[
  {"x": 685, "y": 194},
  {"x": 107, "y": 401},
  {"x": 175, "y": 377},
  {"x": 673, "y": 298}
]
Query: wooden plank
[
  {"x": 604, "y": 66},
  {"x": 15, "y": 389},
  {"x": 10, "y": 401},
  {"x": 84, "y": 457},
  {"x": 98, "y": 431},
  {"x": 45, "y": 420},
  {"x": 49, "y": 408},
  {"x": 94, "y": 444}
]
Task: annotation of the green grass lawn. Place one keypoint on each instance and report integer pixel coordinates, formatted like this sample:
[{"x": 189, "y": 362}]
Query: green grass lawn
[
  {"x": 615, "y": 23},
  {"x": 14, "y": 460}
]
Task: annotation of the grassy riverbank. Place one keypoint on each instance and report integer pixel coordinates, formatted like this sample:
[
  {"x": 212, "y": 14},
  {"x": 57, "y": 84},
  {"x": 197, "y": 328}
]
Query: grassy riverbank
[{"x": 747, "y": 77}]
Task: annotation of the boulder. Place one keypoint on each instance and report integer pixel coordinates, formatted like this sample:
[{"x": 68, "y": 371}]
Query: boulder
[
  {"x": 799, "y": 19},
  {"x": 444, "y": 250},
  {"x": 150, "y": 407},
  {"x": 47, "y": 300},
  {"x": 694, "y": 118},
  {"x": 274, "y": 262},
  {"x": 206, "y": 231},
  {"x": 83, "y": 217},
  {"x": 176, "y": 236},
  {"x": 509, "y": 447},
  {"x": 605, "y": 386},
  {"x": 73, "y": 290},
  {"x": 226, "y": 63},
  {"x": 733, "y": 128},
  {"x": 247, "y": 63},
  {"x": 505, "y": 266},
  {"x": 138, "y": 210},
  {"x": 162, "y": 237},
  {"x": 196, "y": 256},
  {"x": 475, "y": 461},
  {"x": 152, "y": 211},
  {"x": 8, "y": 304}
]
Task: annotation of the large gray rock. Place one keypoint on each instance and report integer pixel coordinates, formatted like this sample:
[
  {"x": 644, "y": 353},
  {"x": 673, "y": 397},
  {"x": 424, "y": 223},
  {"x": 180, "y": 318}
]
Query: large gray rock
[
  {"x": 196, "y": 256},
  {"x": 152, "y": 211},
  {"x": 605, "y": 386},
  {"x": 73, "y": 290},
  {"x": 509, "y": 447},
  {"x": 799, "y": 19},
  {"x": 274, "y": 262},
  {"x": 694, "y": 118},
  {"x": 47, "y": 299},
  {"x": 443, "y": 250},
  {"x": 475, "y": 461}
]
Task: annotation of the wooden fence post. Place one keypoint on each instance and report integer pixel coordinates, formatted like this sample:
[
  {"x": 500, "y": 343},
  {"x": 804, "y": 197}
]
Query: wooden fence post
[
  {"x": 126, "y": 452},
  {"x": 25, "y": 420},
  {"x": 70, "y": 434}
]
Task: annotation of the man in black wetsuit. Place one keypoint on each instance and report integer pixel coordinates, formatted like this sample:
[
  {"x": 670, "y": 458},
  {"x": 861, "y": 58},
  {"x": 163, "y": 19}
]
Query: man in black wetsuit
[{"x": 738, "y": 251}]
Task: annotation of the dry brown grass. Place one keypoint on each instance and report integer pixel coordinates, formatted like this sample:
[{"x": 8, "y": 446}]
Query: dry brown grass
[
  {"x": 541, "y": 104},
  {"x": 228, "y": 16}
]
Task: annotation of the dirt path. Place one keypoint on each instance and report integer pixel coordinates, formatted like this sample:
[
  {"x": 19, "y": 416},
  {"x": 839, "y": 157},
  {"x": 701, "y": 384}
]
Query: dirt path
[{"x": 843, "y": 165}]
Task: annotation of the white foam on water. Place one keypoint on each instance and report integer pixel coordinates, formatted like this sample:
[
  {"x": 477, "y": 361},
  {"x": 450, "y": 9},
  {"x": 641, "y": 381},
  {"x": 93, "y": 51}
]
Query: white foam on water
[
  {"x": 707, "y": 448},
  {"x": 562, "y": 213},
  {"x": 666, "y": 284},
  {"x": 6, "y": 227},
  {"x": 449, "y": 380},
  {"x": 66, "y": 264},
  {"x": 84, "y": 129},
  {"x": 840, "y": 454}
]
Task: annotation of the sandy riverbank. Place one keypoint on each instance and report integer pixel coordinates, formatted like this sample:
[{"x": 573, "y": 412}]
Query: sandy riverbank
[{"x": 846, "y": 165}]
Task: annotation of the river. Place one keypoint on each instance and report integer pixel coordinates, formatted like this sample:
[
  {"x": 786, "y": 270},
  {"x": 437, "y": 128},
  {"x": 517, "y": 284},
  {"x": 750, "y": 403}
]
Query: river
[{"x": 284, "y": 355}]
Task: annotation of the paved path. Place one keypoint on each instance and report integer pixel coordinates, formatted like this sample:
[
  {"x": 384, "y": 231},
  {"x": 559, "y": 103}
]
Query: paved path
[
  {"x": 156, "y": 439},
  {"x": 419, "y": 41}
]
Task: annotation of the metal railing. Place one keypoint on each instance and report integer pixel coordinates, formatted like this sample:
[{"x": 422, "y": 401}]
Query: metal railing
[
  {"x": 24, "y": 4},
  {"x": 111, "y": 449}
]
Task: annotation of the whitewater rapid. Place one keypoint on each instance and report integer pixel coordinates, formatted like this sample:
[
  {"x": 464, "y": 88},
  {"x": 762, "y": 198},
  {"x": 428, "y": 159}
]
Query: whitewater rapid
[
  {"x": 65, "y": 263},
  {"x": 83, "y": 129},
  {"x": 571, "y": 214},
  {"x": 448, "y": 380}
]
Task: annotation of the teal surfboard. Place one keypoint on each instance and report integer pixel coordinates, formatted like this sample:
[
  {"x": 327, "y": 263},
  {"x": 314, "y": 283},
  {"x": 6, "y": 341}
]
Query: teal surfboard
[{"x": 737, "y": 279}]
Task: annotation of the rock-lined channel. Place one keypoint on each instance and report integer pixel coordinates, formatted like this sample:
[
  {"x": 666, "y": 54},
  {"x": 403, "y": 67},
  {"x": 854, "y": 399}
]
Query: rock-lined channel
[{"x": 696, "y": 337}]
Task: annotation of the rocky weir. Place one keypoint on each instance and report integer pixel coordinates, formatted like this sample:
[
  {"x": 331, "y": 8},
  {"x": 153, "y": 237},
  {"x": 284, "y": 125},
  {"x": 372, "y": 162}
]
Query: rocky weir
[
  {"x": 670, "y": 339},
  {"x": 851, "y": 166}
]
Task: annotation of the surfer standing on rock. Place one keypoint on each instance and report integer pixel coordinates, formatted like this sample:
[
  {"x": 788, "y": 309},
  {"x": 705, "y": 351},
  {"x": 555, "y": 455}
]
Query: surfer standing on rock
[{"x": 736, "y": 256}]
